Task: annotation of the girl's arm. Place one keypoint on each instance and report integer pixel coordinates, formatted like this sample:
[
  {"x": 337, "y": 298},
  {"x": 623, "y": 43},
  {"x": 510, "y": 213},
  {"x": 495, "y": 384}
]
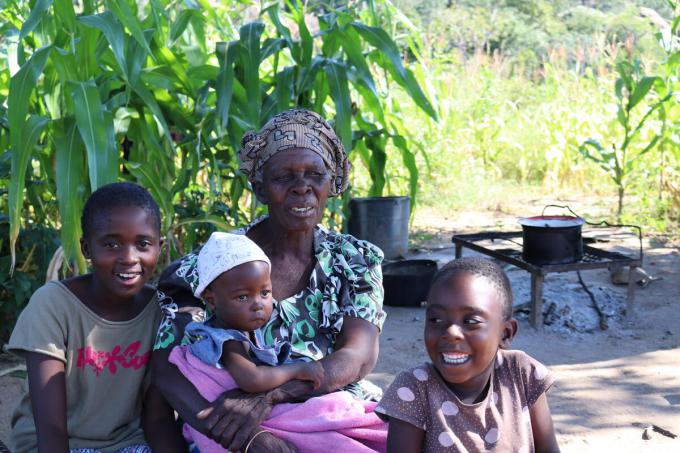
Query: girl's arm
[
  {"x": 542, "y": 427},
  {"x": 403, "y": 437},
  {"x": 158, "y": 421},
  {"x": 47, "y": 387},
  {"x": 254, "y": 378}
]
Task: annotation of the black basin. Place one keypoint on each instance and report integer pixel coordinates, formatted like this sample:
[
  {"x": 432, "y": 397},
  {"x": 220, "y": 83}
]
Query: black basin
[{"x": 407, "y": 282}]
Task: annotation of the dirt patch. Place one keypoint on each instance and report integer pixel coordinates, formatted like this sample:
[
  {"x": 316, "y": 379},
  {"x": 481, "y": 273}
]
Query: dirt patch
[{"x": 611, "y": 383}]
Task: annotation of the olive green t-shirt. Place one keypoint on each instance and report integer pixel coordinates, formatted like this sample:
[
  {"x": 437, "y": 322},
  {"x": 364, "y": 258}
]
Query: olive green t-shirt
[{"x": 105, "y": 366}]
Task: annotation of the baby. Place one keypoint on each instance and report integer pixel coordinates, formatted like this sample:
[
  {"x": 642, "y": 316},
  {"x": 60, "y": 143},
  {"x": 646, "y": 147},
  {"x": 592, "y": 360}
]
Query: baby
[
  {"x": 475, "y": 395},
  {"x": 234, "y": 281}
]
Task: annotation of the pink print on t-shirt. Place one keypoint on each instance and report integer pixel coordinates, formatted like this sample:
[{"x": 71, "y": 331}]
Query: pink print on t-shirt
[{"x": 99, "y": 360}]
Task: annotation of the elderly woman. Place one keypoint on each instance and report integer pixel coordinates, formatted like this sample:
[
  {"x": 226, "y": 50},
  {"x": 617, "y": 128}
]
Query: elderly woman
[{"x": 327, "y": 287}]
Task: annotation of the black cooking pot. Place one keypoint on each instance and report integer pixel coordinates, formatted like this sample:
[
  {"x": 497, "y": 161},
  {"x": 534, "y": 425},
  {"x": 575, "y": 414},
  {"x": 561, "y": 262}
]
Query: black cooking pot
[
  {"x": 407, "y": 282},
  {"x": 552, "y": 239}
]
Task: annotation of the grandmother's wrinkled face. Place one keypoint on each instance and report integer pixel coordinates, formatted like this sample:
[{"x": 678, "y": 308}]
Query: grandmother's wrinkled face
[{"x": 295, "y": 185}]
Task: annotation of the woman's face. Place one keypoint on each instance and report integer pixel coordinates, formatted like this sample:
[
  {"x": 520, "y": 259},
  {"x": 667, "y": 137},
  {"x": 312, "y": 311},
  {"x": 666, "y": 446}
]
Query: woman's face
[{"x": 295, "y": 185}]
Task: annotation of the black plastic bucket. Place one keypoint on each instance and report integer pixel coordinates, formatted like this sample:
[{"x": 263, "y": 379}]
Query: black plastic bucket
[
  {"x": 382, "y": 221},
  {"x": 552, "y": 239},
  {"x": 408, "y": 282}
]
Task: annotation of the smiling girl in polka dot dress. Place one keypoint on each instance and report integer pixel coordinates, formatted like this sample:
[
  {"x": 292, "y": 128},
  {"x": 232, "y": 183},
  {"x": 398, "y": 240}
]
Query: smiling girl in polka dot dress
[{"x": 475, "y": 395}]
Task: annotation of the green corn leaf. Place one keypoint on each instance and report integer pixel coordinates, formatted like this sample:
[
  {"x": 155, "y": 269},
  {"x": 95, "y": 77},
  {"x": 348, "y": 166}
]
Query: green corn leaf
[
  {"x": 152, "y": 105},
  {"x": 128, "y": 18},
  {"x": 273, "y": 13},
  {"x": 365, "y": 85},
  {"x": 321, "y": 88},
  {"x": 250, "y": 59},
  {"x": 621, "y": 116},
  {"x": 65, "y": 64},
  {"x": 410, "y": 163},
  {"x": 175, "y": 67},
  {"x": 63, "y": 9},
  {"x": 181, "y": 23},
  {"x": 226, "y": 56},
  {"x": 283, "y": 90},
  {"x": 640, "y": 91},
  {"x": 371, "y": 97},
  {"x": 361, "y": 150},
  {"x": 306, "y": 40},
  {"x": 71, "y": 188},
  {"x": 308, "y": 75},
  {"x": 96, "y": 129},
  {"x": 113, "y": 31},
  {"x": 377, "y": 165},
  {"x": 585, "y": 151},
  {"x": 20, "y": 88},
  {"x": 272, "y": 46},
  {"x": 339, "y": 91},
  {"x": 23, "y": 136},
  {"x": 21, "y": 157},
  {"x": 199, "y": 75},
  {"x": 37, "y": 13},
  {"x": 618, "y": 88},
  {"x": 85, "y": 53},
  {"x": 147, "y": 175},
  {"x": 351, "y": 44},
  {"x": 378, "y": 38},
  {"x": 630, "y": 165},
  {"x": 136, "y": 56},
  {"x": 210, "y": 219}
]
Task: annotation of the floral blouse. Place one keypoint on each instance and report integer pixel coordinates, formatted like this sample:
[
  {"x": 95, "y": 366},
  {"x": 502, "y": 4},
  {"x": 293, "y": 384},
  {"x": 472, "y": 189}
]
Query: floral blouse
[{"x": 346, "y": 281}]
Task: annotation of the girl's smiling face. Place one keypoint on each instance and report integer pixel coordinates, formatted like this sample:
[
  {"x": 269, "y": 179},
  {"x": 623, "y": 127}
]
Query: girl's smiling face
[
  {"x": 123, "y": 248},
  {"x": 464, "y": 329}
]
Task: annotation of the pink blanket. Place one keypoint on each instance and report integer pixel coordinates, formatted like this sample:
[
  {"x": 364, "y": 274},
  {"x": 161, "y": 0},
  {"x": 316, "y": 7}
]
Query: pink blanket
[{"x": 334, "y": 422}]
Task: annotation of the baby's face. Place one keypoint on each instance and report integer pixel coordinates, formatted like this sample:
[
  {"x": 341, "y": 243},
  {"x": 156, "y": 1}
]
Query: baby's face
[
  {"x": 241, "y": 297},
  {"x": 464, "y": 328}
]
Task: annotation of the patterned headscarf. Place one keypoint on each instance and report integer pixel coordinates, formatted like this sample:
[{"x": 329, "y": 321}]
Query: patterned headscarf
[{"x": 295, "y": 128}]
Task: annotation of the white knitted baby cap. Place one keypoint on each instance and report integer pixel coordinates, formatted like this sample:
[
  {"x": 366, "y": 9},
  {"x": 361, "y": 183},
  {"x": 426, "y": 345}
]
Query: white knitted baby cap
[{"x": 223, "y": 252}]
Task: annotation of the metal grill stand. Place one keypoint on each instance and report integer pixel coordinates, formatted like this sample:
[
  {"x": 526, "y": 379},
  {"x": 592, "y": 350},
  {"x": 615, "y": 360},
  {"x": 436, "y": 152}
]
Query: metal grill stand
[{"x": 593, "y": 258}]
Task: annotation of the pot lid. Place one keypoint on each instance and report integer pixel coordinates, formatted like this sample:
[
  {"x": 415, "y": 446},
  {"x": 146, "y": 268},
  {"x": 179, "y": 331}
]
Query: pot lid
[{"x": 551, "y": 221}]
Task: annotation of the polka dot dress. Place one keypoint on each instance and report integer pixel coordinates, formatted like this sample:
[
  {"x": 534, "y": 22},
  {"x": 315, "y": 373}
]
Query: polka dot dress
[{"x": 500, "y": 422}]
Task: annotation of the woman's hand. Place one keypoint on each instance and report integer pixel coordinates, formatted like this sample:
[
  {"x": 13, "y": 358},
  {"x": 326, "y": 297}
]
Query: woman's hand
[
  {"x": 233, "y": 416},
  {"x": 311, "y": 371}
]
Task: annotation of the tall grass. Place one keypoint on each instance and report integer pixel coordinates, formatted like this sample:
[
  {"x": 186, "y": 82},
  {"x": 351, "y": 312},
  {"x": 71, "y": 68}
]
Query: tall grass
[{"x": 500, "y": 128}]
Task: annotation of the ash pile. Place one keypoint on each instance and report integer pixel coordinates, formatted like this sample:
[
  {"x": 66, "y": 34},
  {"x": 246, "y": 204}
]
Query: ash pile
[{"x": 567, "y": 307}]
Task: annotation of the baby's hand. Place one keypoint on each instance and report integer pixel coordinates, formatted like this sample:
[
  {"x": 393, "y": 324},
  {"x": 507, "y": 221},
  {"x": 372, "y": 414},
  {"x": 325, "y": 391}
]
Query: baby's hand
[{"x": 311, "y": 371}]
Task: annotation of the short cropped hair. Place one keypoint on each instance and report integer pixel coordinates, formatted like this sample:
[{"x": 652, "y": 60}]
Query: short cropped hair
[
  {"x": 117, "y": 195},
  {"x": 480, "y": 267}
]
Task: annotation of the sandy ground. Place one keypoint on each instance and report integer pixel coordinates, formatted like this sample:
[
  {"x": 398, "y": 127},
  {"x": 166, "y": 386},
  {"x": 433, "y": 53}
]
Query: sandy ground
[{"x": 611, "y": 384}]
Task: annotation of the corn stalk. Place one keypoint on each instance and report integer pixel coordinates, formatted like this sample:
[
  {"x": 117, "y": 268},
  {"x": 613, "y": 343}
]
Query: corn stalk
[{"x": 161, "y": 93}]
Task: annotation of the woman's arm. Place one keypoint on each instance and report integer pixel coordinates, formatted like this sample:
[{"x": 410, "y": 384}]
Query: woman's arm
[
  {"x": 254, "y": 378},
  {"x": 47, "y": 387},
  {"x": 542, "y": 427},
  {"x": 355, "y": 355},
  {"x": 403, "y": 437},
  {"x": 158, "y": 421},
  {"x": 233, "y": 409}
]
